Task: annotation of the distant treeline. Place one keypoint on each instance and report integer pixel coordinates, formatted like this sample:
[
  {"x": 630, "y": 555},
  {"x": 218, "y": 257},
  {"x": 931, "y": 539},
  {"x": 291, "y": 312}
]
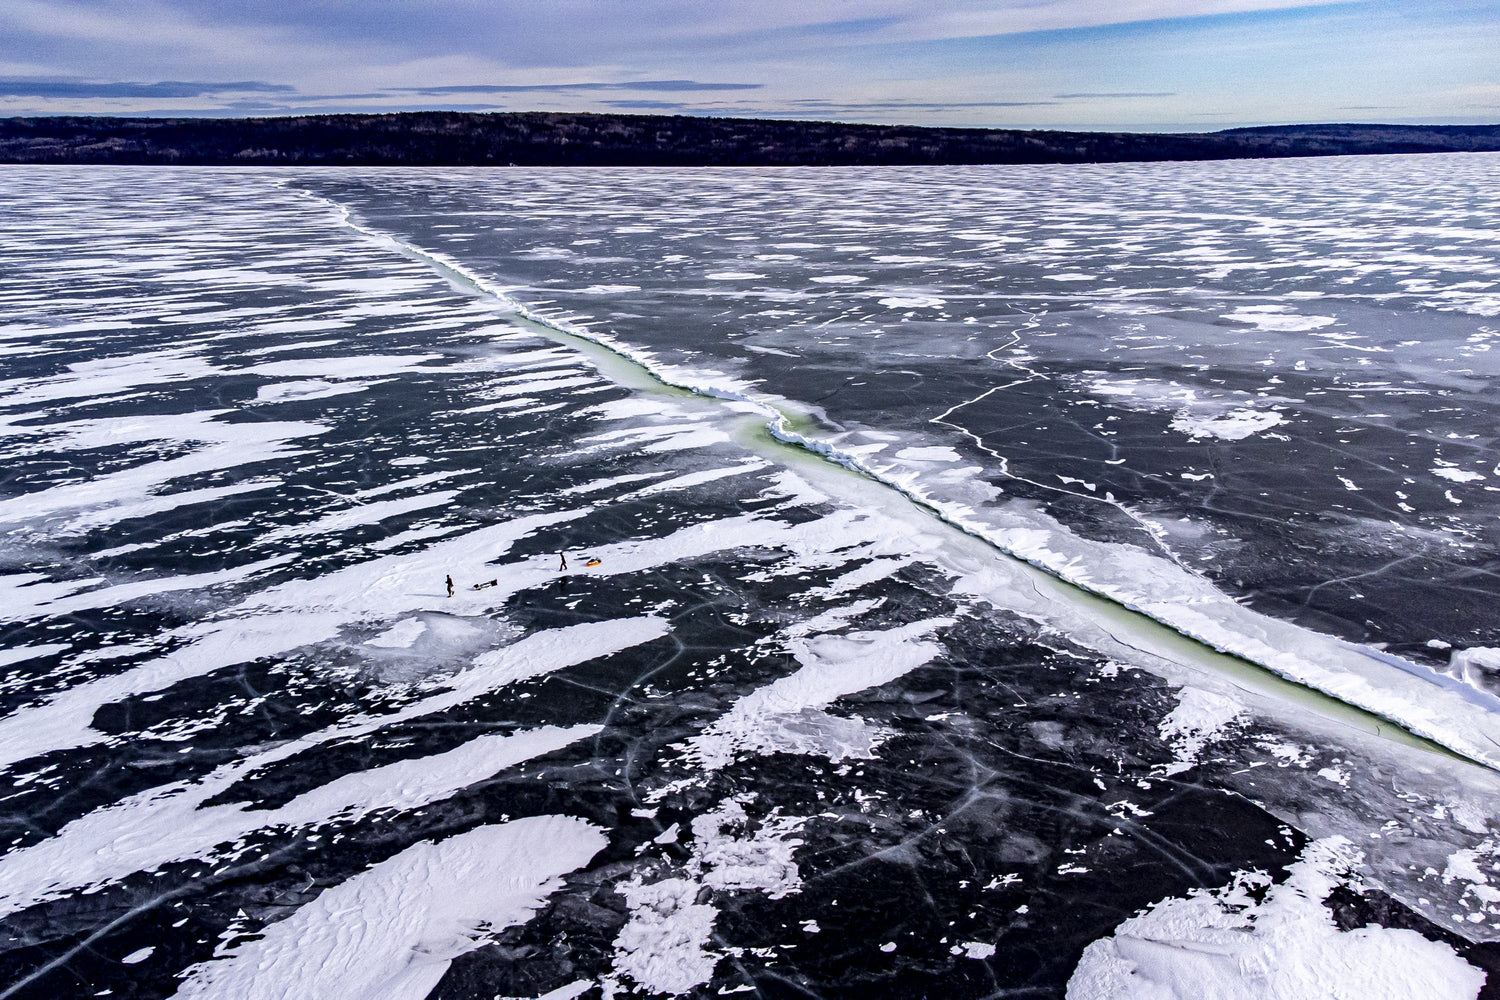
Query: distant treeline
[{"x": 443, "y": 138}]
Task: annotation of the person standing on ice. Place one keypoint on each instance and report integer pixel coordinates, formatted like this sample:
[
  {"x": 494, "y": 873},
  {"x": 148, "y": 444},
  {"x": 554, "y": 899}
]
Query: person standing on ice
[
  {"x": 450, "y": 585},
  {"x": 563, "y": 559}
]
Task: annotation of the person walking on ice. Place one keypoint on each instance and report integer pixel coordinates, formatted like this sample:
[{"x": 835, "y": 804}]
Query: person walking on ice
[
  {"x": 450, "y": 585},
  {"x": 563, "y": 560}
]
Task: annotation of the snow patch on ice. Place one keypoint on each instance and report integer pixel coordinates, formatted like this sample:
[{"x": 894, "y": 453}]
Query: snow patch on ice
[
  {"x": 1456, "y": 475},
  {"x": 136, "y": 491},
  {"x": 736, "y": 859},
  {"x": 399, "y": 636},
  {"x": 1465, "y": 865},
  {"x": 283, "y": 392},
  {"x": 784, "y": 716},
  {"x": 1235, "y": 425},
  {"x": 21, "y": 654},
  {"x": 1476, "y": 866},
  {"x": 1279, "y": 319},
  {"x": 355, "y": 367},
  {"x": 1337, "y": 775},
  {"x": 1229, "y": 945},
  {"x": 72, "y": 596},
  {"x": 664, "y": 944},
  {"x": 101, "y": 377},
  {"x": 360, "y": 515},
  {"x": 929, "y": 454},
  {"x": 1199, "y": 718},
  {"x": 393, "y": 930},
  {"x": 912, "y": 302}
]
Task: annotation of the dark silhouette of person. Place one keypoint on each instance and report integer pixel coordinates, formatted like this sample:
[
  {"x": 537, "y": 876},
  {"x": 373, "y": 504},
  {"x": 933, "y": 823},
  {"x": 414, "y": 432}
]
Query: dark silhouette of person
[
  {"x": 450, "y": 586},
  {"x": 563, "y": 557}
]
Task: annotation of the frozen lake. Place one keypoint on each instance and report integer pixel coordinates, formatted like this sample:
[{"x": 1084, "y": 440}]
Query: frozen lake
[{"x": 908, "y": 514}]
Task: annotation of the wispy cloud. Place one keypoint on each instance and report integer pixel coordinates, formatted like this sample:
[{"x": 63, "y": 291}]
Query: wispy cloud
[
  {"x": 528, "y": 88},
  {"x": 1121, "y": 93},
  {"x": 915, "y": 105},
  {"x": 31, "y": 87},
  {"x": 648, "y": 106}
]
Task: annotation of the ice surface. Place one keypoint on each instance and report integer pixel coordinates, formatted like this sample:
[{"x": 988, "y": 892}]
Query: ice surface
[{"x": 834, "y": 737}]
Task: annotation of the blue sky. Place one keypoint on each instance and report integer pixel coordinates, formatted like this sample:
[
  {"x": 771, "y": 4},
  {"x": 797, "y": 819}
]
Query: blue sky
[{"x": 1138, "y": 64}]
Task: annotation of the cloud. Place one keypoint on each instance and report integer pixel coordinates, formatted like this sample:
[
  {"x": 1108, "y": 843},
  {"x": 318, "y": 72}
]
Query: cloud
[
  {"x": 650, "y": 106},
  {"x": 143, "y": 24},
  {"x": 32, "y": 87},
  {"x": 824, "y": 105},
  {"x": 1122, "y": 93},
  {"x": 920, "y": 20},
  {"x": 685, "y": 85},
  {"x": 527, "y": 88}
]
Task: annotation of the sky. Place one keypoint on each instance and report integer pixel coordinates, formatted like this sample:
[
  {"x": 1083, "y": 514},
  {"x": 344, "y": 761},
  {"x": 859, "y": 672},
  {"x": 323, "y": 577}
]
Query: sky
[{"x": 1181, "y": 65}]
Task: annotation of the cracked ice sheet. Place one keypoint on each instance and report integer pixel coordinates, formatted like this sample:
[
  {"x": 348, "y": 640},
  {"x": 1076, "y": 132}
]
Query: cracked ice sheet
[
  {"x": 393, "y": 930},
  {"x": 1141, "y": 581},
  {"x": 170, "y": 822},
  {"x": 363, "y": 514},
  {"x": 302, "y": 612},
  {"x": 134, "y": 492},
  {"x": 1416, "y": 698},
  {"x": 23, "y": 599},
  {"x": 283, "y": 618},
  {"x": 1226, "y": 944},
  {"x": 664, "y": 945},
  {"x": 104, "y": 377}
]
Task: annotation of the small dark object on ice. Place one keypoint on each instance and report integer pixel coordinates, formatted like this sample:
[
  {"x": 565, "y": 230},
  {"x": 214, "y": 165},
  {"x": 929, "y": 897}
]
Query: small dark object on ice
[
  {"x": 450, "y": 586},
  {"x": 486, "y": 585}
]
